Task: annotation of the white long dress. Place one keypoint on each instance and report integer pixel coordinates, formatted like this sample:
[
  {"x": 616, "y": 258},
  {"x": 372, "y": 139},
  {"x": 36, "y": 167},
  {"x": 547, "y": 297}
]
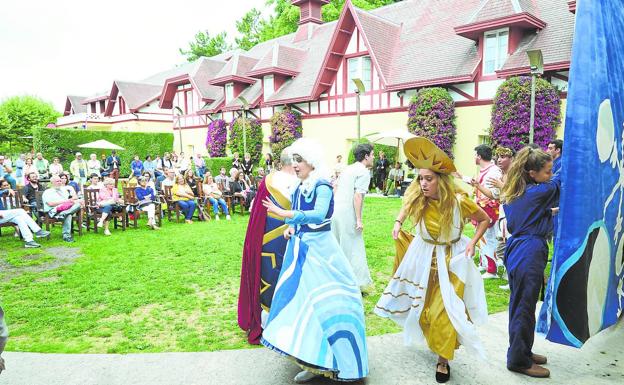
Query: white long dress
[{"x": 354, "y": 179}]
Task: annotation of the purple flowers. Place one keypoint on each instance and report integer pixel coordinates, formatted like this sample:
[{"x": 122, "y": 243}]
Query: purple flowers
[
  {"x": 511, "y": 113},
  {"x": 432, "y": 115},
  {"x": 253, "y": 127},
  {"x": 216, "y": 139},
  {"x": 285, "y": 129}
]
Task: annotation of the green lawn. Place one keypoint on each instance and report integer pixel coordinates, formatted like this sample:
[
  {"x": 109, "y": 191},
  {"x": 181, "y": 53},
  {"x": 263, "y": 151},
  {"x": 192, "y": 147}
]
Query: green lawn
[{"x": 147, "y": 291}]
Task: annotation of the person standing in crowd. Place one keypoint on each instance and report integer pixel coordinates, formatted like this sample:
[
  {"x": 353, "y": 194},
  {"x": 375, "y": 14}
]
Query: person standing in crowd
[
  {"x": 236, "y": 162},
  {"x": 113, "y": 162},
  {"x": 58, "y": 203},
  {"x": 183, "y": 163},
  {"x": 555, "y": 149},
  {"x": 315, "y": 271},
  {"x": 483, "y": 190},
  {"x": 436, "y": 293},
  {"x": 254, "y": 301},
  {"x": 381, "y": 172},
  {"x": 103, "y": 166},
  {"x": 268, "y": 162},
  {"x": 56, "y": 168},
  {"x": 338, "y": 167},
  {"x": 149, "y": 166},
  {"x": 529, "y": 194},
  {"x": 395, "y": 178},
  {"x": 93, "y": 165},
  {"x": 19, "y": 167},
  {"x": 95, "y": 183},
  {"x": 247, "y": 165},
  {"x": 108, "y": 202},
  {"x": 136, "y": 166},
  {"x": 29, "y": 168},
  {"x": 5, "y": 172},
  {"x": 223, "y": 180},
  {"x": 78, "y": 169},
  {"x": 27, "y": 227},
  {"x": 42, "y": 166},
  {"x": 145, "y": 201},
  {"x": 347, "y": 225},
  {"x": 4, "y": 336},
  {"x": 183, "y": 196},
  {"x": 200, "y": 166}
]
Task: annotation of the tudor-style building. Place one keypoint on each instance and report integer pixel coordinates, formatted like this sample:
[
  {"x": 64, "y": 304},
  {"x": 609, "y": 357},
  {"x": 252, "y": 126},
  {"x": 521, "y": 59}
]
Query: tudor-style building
[{"x": 467, "y": 46}]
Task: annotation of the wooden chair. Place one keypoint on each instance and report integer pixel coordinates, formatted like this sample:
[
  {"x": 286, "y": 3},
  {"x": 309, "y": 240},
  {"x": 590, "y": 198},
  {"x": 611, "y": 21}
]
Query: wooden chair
[
  {"x": 91, "y": 205},
  {"x": 45, "y": 219},
  {"x": 202, "y": 202},
  {"x": 130, "y": 199},
  {"x": 227, "y": 195},
  {"x": 172, "y": 207},
  {"x": 9, "y": 203}
]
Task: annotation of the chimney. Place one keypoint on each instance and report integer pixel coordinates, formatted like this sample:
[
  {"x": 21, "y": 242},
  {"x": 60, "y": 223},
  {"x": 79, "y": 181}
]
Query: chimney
[{"x": 310, "y": 15}]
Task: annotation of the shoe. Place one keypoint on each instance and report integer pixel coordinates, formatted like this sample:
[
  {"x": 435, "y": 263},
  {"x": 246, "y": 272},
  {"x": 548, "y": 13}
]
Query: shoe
[
  {"x": 304, "y": 376},
  {"x": 107, "y": 232},
  {"x": 68, "y": 239},
  {"x": 217, "y": 217},
  {"x": 504, "y": 287},
  {"x": 42, "y": 234},
  {"x": 443, "y": 377},
  {"x": 154, "y": 227},
  {"x": 539, "y": 359},
  {"x": 100, "y": 224},
  {"x": 228, "y": 217},
  {"x": 188, "y": 221},
  {"x": 487, "y": 275},
  {"x": 534, "y": 371},
  {"x": 31, "y": 245}
]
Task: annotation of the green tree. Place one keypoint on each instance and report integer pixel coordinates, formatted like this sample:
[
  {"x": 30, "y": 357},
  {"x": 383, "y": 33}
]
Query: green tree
[
  {"x": 205, "y": 45},
  {"x": 21, "y": 116},
  {"x": 249, "y": 28}
]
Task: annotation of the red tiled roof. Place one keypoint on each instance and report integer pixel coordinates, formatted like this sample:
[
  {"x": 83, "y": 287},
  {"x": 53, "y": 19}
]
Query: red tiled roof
[
  {"x": 75, "y": 103},
  {"x": 236, "y": 69},
  {"x": 281, "y": 59},
  {"x": 252, "y": 94},
  {"x": 136, "y": 94}
]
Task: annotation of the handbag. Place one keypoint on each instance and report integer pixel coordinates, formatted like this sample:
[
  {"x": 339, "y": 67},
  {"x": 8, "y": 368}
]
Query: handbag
[{"x": 64, "y": 206}]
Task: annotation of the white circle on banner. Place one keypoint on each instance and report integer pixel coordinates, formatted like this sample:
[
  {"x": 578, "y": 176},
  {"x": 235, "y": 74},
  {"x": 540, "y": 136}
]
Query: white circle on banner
[{"x": 605, "y": 133}]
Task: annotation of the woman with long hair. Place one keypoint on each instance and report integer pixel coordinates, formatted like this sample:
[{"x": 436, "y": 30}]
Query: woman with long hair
[
  {"x": 183, "y": 196},
  {"x": 316, "y": 315},
  {"x": 436, "y": 293},
  {"x": 528, "y": 196}
]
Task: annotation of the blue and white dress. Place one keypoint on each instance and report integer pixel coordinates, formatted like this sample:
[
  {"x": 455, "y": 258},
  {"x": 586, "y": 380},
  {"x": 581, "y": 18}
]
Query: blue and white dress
[{"x": 316, "y": 316}]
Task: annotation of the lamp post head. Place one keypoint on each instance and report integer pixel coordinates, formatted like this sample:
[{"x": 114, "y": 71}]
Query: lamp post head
[
  {"x": 360, "y": 88},
  {"x": 536, "y": 61}
]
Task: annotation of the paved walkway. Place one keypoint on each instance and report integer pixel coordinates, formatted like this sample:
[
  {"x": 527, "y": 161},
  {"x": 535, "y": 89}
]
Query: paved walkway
[{"x": 601, "y": 361}]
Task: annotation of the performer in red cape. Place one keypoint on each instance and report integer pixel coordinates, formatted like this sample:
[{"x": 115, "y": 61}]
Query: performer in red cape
[{"x": 263, "y": 250}]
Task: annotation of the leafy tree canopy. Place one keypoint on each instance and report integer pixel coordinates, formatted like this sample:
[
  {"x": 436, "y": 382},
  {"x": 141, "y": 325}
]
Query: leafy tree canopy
[
  {"x": 254, "y": 29},
  {"x": 21, "y": 116},
  {"x": 205, "y": 45}
]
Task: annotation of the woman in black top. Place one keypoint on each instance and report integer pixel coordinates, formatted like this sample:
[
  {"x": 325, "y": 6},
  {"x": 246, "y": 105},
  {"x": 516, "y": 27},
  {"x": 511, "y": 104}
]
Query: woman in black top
[{"x": 247, "y": 165}]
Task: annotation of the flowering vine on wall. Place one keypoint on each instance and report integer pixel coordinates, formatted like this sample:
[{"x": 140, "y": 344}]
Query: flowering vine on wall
[
  {"x": 216, "y": 139},
  {"x": 511, "y": 113},
  {"x": 432, "y": 115},
  {"x": 254, "y": 137},
  {"x": 285, "y": 129}
]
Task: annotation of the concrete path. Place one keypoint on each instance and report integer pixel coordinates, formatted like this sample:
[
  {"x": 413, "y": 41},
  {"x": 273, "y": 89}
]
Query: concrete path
[{"x": 600, "y": 361}]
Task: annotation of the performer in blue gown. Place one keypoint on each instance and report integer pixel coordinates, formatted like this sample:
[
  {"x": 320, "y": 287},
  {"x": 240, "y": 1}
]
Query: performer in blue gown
[
  {"x": 528, "y": 194},
  {"x": 316, "y": 316}
]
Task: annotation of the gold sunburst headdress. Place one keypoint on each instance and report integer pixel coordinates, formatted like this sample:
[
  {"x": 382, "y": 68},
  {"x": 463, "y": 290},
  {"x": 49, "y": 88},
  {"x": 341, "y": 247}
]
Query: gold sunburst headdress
[{"x": 423, "y": 153}]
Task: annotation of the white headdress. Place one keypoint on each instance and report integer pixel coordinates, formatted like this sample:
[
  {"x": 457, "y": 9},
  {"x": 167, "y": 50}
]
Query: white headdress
[{"x": 312, "y": 152}]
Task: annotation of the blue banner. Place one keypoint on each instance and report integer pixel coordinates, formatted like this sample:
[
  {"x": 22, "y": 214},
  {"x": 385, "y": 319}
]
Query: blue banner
[{"x": 584, "y": 294}]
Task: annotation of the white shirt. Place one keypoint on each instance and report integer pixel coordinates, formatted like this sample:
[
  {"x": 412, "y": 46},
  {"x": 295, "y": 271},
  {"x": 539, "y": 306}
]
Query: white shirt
[{"x": 354, "y": 179}]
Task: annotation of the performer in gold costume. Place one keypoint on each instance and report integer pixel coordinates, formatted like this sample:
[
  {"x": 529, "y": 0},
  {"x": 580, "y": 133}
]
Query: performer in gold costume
[{"x": 436, "y": 293}]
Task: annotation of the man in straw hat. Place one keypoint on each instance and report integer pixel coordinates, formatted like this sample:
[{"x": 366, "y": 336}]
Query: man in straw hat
[{"x": 436, "y": 293}]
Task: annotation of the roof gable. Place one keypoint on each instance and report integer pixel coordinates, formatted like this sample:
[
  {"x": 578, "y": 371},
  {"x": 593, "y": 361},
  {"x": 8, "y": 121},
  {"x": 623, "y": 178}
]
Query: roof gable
[
  {"x": 74, "y": 103},
  {"x": 281, "y": 59},
  {"x": 135, "y": 95},
  {"x": 235, "y": 70}
]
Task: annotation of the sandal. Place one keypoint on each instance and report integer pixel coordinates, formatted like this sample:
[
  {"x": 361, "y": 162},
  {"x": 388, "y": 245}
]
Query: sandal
[{"x": 443, "y": 377}]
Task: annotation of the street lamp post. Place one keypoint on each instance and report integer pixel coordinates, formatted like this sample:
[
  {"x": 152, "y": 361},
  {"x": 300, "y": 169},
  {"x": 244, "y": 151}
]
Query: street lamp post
[
  {"x": 536, "y": 62},
  {"x": 359, "y": 89},
  {"x": 178, "y": 112},
  {"x": 245, "y": 108}
]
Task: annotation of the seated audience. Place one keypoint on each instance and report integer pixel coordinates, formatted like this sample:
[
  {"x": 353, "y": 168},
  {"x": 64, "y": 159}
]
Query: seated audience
[
  {"x": 29, "y": 195},
  {"x": 190, "y": 180},
  {"x": 94, "y": 182},
  {"x": 108, "y": 202},
  {"x": 169, "y": 178},
  {"x": 145, "y": 201},
  {"x": 149, "y": 178},
  {"x": 223, "y": 180},
  {"x": 56, "y": 168},
  {"x": 183, "y": 195},
  {"x": 6, "y": 170},
  {"x": 26, "y": 225},
  {"x": 60, "y": 204},
  {"x": 149, "y": 166},
  {"x": 240, "y": 188},
  {"x": 215, "y": 197},
  {"x": 72, "y": 186},
  {"x": 29, "y": 168}
]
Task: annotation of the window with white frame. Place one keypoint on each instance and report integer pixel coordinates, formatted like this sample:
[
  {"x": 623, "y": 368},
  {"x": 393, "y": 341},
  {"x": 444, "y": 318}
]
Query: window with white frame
[
  {"x": 359, "y": 68},
  {"x": 229, "y": 92},
  {"x": 495, "y": 50},
  {"x": 269, "y": 86}
]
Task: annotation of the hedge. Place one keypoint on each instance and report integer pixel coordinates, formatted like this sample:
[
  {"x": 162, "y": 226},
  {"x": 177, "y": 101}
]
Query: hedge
[
  {"x": 390, "y": 151},
  {"x": 214, "y": 164},
  {"x": 64, "y": 144}
]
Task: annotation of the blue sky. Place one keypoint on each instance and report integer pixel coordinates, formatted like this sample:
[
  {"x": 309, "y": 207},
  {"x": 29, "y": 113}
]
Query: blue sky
[{"x": 55, "y": 48}]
